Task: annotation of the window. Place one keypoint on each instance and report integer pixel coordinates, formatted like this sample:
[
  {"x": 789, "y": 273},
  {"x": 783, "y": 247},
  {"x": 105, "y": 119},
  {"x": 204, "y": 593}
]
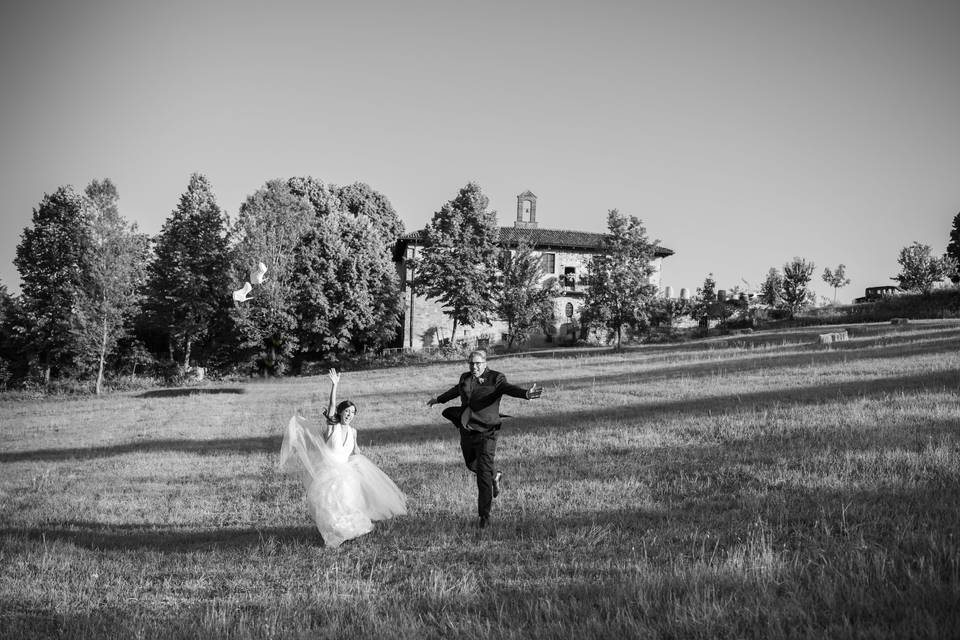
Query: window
[
  {"x": 548, "y": 262},
  {"x": 568, "y": 311}
]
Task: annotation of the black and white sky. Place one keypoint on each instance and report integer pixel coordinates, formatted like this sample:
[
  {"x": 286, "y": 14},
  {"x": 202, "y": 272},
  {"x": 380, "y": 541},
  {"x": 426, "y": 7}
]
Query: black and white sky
[{"x": 742, "y": 132}]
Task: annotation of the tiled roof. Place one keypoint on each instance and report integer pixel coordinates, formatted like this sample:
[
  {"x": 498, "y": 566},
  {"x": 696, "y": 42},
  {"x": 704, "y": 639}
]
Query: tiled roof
[{"x": 540, "y": 239}]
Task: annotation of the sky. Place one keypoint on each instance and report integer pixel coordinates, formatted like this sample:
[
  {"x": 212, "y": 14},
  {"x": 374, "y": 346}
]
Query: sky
[{"x": 742, "y": 133}]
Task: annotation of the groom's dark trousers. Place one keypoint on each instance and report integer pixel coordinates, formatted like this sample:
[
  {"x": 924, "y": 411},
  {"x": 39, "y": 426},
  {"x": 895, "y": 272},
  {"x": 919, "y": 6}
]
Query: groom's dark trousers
[
  {"x": 478, "y": 421},
  {"x": 479, "y": 449}
]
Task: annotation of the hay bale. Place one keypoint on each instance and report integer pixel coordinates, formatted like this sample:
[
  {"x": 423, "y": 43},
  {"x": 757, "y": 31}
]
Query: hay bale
[{"x": 836, "y": 336}]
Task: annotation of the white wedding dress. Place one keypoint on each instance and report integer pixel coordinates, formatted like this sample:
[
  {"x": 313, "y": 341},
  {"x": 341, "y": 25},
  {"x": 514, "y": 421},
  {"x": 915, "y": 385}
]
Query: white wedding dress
[{"x": 346, "y": 492}]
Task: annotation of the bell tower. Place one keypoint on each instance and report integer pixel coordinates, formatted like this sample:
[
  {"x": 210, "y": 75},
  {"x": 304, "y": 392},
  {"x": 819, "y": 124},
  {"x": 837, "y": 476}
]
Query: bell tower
[{"x": 526, "y": 211}]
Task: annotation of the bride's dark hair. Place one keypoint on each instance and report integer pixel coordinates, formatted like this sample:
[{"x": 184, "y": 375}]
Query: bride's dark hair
[{"x": 343, "y": 406}]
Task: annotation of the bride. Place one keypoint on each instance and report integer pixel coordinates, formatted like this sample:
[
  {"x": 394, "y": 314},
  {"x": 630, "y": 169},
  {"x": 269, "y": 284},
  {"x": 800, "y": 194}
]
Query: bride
[{"x": 346, "y": 492}]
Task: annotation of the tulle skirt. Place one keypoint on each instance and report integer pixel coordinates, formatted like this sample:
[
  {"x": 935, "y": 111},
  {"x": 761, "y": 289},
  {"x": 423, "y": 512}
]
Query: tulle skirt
[{"x": 344, "y": 496}]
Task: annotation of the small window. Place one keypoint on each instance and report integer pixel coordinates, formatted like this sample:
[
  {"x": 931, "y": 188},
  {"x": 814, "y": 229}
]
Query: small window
[
  {"x": 548, "y": 262},
  {"x": 568, "y": 311}
]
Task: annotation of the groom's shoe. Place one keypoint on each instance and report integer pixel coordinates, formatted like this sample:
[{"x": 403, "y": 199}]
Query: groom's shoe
[
  {"x": 496, "y": 483},
  {"x": 484, "y": 521}
]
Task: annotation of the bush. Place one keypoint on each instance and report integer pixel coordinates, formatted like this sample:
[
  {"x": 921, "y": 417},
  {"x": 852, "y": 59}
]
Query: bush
[
  {"x": 129, "y": 382},
  {"x": 663, "y": 335},
  {"x": 941, "y": 304}
]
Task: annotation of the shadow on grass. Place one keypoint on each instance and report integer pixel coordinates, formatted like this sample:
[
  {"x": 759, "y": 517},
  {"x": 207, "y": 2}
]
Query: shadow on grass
[
  {"x": 645, "y": 411},
  {"x": 836, "y": 552},
  {"x": 198, "y": 391},
  {"x": 97, "y": 535},
  {"x": 202, "y": 447},
  {"x": 642, "y": 411}
]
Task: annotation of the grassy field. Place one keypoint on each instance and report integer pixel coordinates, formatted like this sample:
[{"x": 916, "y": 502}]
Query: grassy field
[{"x": 754, "y": 486}]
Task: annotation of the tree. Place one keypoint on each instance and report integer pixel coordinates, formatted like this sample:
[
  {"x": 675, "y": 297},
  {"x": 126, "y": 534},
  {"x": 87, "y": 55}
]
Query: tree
[
  {"x": 350, "y": 294},
  {"x": 458, "y": 263},
  {"x": 951, "y": 268},
  {"x": 796, "y": 280},
  {"x": 113, "y": 267},
  {"x": 270, "y": 228},
  {"x": 771, "y": 290},
  {"x": 330, "y": 286},
  {"x": 708, "y": 290},
  {"x": 350, "y": 245},
  {"x": 619, "y": 277},
  {"x": 953, "y": 249},
  {"x": 524, "y": 303},
  {"x": 919, "y": 269},
  {"x": 9, "y": 359},
  {"x": 188, "y": 280},
  {"x": 705, "y": 299},
  {"x": 50, "y": 261},
  {"x": 836, "y": 279}
]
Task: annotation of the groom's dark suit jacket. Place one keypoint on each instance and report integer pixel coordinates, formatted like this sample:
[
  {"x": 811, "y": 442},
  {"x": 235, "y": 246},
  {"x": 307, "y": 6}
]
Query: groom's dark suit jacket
[{"x": 482, "y": 398}]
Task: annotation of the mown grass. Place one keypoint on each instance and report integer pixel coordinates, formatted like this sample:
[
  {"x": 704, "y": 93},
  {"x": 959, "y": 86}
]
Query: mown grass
[{"x": 754, "y": 486}]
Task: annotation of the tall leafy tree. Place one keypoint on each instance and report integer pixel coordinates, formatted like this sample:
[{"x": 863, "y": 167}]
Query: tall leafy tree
[
  {"x": 619, "y": 277},
  {"x": 525, "y": 303},
  {"x": 458, "y": 264},
  {"x": 331, "y": 287},
  {"x": 836, "y": 278},
  {"x": 350, "y": 288},
  {"x": 796, "y": 291},
  {"x": 953, "y": 250},
  {"x": 188, "y": 280},
  {"x": 771, "y": 290},
  {"x": 113, "y": 277},
  {"x": 50, "y": 261},
  {"x": 270, "y": 228},
  {"x": 920, "y": 270}
]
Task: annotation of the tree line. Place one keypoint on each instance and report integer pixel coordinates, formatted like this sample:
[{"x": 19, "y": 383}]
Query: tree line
[{"x": 100, "y": 298}]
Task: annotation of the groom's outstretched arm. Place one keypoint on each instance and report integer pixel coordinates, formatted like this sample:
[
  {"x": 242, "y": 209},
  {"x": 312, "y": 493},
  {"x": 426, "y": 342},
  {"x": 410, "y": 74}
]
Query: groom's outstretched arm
[
  {"x": 446, "y": 396},
  {"x": 515, "y": 391}
]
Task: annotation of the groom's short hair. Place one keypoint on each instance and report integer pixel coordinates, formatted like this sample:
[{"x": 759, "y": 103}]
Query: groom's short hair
[{"x": 477, "y": 352}]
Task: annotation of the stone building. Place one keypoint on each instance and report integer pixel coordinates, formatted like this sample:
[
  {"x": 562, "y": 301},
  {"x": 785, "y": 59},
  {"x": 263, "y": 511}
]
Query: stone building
[{"x": 563, "y": 255}]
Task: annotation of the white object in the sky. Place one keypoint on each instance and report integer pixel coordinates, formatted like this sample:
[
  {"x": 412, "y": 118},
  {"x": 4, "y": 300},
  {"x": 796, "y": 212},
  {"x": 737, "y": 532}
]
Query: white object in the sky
[
  {"x": 256, "y": 275},
  {"x": 240, "y": 295}
]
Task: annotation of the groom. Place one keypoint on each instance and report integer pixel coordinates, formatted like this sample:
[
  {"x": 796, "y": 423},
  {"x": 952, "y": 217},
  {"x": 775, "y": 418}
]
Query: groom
[{"x": 478, "y": 420}]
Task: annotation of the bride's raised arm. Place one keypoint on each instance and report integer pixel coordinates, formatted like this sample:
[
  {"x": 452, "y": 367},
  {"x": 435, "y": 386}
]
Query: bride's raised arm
[{"x": 332, "y": 406}]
